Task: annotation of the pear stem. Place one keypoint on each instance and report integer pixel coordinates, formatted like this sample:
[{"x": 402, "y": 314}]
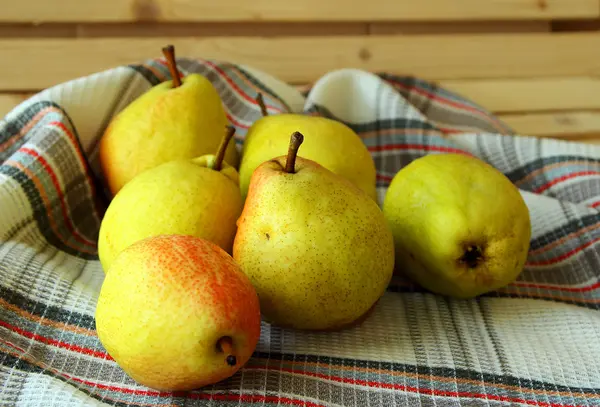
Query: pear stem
[
  {"x": 261, "y": 103},
  {"x": 223, "y": 147},
  {"x": 295, "y": 142},
  {"x": 225, "y": 345},
  {"x": 169, "y": 53}
]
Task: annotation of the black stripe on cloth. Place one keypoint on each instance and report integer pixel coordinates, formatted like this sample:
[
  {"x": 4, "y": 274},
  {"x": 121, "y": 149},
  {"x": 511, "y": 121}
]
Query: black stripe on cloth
[
  {"x": 538, "y": 164},
  {"x": 51, "y": 312},
  {"x": 146, "y": 73},
  {"x": 496, "y": 294},
  {"x": 563, "y": 230},
  {"x": 40, "y": 214},
  {"x": 27, "y": 367},
  {"x": 426, "y": 371},
  {"x": 15, "y": 125}
]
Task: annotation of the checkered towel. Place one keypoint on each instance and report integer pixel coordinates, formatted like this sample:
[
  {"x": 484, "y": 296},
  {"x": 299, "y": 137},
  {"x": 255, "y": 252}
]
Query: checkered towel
[{"x": 535, "y": 342}]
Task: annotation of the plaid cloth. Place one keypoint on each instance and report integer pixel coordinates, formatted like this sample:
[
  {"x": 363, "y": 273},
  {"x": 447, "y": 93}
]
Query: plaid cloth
[{"x": 535, "y": 342}]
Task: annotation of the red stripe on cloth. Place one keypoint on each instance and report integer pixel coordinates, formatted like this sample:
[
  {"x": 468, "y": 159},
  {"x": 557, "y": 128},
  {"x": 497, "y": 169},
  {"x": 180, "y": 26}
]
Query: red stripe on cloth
[
  {"x": 32, "y": 122},
  {"x": 237, "y": 89},
  {"x": 425, "y": 147},
  {"x": 79, "y": 153},
  {"x": 595, "y": 204},
  {"x": 384, "y": 177},
  {"x": 565, "y": 178},
  {"x": 235, "y": 122},
  {"x": 246, "y": 398},
  {"x": 81, "y": 239},
  {"x": 54, "y": 342},
  {"x": 443, "y": 100},
  {"x": 254, "y": 398},
  {"x": 432, "y": 392},
  {"x": 559, "y": 288},
  {"x": 564, "y": 256}
]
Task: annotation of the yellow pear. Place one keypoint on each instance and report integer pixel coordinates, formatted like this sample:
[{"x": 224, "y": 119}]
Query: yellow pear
[
  {"x": 328, "y": 142},
  {"x": 177, "y": 313},
  {"x": 176, "y": 119},
  {"x": 316, "y": 247},
  {"x": 461, "y": 228},
  {"x": 198, "y": 197}
]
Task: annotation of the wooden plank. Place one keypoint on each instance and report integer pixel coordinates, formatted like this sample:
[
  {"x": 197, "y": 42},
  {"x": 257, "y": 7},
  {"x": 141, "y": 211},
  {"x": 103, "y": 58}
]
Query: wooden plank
[
  {"x": 565, "y": 125},
  {"x": 8, "y": 101},
  {"x": 530, "y": 94},
  {"x": 45, "y": 62},
  {"x": 266, "y": 29},
  {"x": 298, "y": 10}
]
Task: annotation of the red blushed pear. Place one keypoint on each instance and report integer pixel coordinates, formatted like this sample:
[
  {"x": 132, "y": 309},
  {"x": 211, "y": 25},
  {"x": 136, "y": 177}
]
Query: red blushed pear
[
  {"x": 316, "y": 247},
  {"x": 177, "y": 313},
  {"x": 181, "y": 118}
]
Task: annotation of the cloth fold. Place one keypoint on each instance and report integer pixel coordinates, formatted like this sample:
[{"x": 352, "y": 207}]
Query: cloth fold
[{"x": 534, "y": 342}]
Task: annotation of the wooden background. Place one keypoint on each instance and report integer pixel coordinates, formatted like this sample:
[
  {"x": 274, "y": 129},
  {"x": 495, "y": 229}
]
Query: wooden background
[{"x": 536, "y": 63}]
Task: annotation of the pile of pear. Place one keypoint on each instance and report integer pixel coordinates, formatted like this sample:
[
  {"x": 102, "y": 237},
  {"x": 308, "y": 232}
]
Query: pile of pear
[{"x": 200, "y": 242}]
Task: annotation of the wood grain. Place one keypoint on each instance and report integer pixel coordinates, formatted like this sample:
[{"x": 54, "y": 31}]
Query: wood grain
[
  {"x": 8, "y": 101},
  {"x": 298, "y": 10},
  {"x": 45, "y": 62},
  {"x": 530, "y": 94},
  {"x": 566, "y": 125},
  {"x": 212, "y": 29}
]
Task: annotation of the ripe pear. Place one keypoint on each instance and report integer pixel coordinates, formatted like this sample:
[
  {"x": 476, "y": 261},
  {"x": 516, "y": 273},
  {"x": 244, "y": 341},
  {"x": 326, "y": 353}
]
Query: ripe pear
[
  {"x": 176, "y": 119},
  {"x": 461, "y": 228},
  {"x": 316, "y": 247},
  {"x": 199, "y": 197},
  {"x": 177, "y": 313},
  {"x": 328, "y": 142}
]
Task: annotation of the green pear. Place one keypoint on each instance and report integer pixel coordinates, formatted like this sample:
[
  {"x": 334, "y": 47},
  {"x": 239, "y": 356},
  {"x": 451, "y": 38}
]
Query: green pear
[
  {"x": 199, "y": 197},
  {"x": 328, "y": 142},
  {"x": 177, "y": 313},
  {"x": 461, "y": 228},
  {"x": 176, "y": 119},
  {"x": 316, "y": 247}
]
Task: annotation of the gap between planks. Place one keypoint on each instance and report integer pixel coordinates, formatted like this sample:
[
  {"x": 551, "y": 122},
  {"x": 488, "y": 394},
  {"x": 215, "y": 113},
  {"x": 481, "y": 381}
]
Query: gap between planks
[{"x": 268, "y": 29}]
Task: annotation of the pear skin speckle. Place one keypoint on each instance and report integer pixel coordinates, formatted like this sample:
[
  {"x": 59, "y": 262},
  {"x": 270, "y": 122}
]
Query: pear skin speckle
[
  {"x": 329, "y": 256},
  {"x": 461, "y": 228},
  {"x": 164, "y": 306}
]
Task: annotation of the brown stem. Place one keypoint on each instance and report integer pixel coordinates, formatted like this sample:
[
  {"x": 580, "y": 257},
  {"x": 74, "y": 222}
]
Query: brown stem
[
  {"x": 223, "y": 147},
  {"x": 225, "y": 345},
  {"x": 261, "y": 103},
  {"x": 169, "y": 53},
  {"x": 295, "y": 141}
]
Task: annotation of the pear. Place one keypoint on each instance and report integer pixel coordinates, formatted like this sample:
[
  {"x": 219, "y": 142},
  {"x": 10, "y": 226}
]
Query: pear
[
  {"x": 461, "y": 228},
  {"x": 177, "y": 313},
  {"x": 316, "y": 247},
  {"x": 176, "y": 119},
  {"x": 328, "y": 142},
  {"x": 199, "y": 197}
]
